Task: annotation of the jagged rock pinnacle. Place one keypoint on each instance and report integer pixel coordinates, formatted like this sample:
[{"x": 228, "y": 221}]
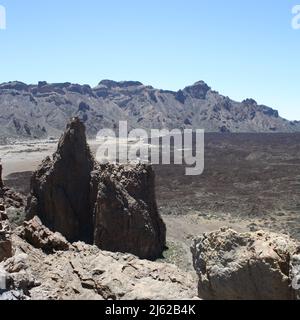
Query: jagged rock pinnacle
[
  {"x": 112, "y": 206},
  {"x": 61, "y": 187}
]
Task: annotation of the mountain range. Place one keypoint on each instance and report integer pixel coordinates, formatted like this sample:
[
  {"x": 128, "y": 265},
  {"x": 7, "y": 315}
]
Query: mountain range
[{"x": 42, "y": 111}]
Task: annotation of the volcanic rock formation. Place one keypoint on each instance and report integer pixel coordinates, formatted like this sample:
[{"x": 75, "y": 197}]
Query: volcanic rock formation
[
  {"x": 61, "y": 187},
  {"x": 112, "y": 206},
  {"x": 86, "y": 272},
  {"x": 35, "y": 233},
  {"x": 250, "y": 266}
]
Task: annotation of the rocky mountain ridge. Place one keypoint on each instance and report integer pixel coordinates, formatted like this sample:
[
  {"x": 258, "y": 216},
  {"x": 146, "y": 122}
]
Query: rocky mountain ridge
[{"x": 42, "y": 110}]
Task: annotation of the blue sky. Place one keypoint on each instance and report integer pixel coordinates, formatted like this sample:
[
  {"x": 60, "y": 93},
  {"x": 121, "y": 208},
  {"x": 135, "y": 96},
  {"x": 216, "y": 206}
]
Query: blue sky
[{"x": 242, "y": 48}]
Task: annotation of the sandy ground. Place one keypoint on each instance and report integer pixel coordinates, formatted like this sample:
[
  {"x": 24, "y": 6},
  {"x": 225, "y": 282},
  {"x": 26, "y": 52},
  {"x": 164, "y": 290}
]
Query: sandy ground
[
  {"x": 25, "y": 156},
  {"x": 181, "y": 230}
]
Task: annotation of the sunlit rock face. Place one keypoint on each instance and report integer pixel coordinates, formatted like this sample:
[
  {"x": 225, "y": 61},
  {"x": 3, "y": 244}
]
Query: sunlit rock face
[{"x": 248, "y": 266}]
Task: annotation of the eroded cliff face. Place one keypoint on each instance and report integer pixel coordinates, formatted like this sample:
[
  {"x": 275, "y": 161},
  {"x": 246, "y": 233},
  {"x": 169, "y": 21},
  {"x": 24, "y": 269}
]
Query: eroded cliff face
[{"x": 112, "y": 206}]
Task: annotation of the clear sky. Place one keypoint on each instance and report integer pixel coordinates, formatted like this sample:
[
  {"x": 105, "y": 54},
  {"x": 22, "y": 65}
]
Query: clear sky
[{"x": 242, "y": 48}]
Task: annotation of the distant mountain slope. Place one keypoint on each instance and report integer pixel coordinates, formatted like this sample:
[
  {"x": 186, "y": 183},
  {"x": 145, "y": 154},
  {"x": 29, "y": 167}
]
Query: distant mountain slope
[{"x": 40, "y": 111}]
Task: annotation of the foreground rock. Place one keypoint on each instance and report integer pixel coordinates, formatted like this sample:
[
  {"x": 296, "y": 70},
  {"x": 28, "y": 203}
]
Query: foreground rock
[
  {"x": 6, "y": 250},
  {"x": 112, "y": 206},
  {"x": 248, "y": 266},
  {"x": 86, "y": 272},
  {"x": 35, "y": 233}
]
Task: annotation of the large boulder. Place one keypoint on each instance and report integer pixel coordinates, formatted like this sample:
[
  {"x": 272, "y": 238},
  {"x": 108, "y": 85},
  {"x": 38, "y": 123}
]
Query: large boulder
[
  {"x": 84, "y": 272},
  {"x": 111, "y": 205},
  {"x": 39, "y": 236},
  {"x": 126, "y": 215},
  {"x": 249, "y": 266}
]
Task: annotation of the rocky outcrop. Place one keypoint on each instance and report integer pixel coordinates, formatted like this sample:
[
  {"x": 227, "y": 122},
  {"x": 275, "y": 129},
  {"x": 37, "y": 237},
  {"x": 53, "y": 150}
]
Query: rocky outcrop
[
  {"x": 198, "y": 90},
  {"x": 12, "y": 198},
  {"x": 110, "y": 205},
  {"x": 126, "y": 215},
  {"x": 85, "y": 272},
  {"x": 6, "y": 250},
  {"x": 35, "y": 233},
  {"x": 250, "y": 266},
  {"x": 61, "y": 187},
  {"x": 9, "y": 197}
]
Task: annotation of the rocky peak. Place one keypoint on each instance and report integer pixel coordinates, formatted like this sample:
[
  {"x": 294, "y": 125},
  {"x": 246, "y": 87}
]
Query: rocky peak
[
  {"x": 254, "y": 106},
  {"x": 249, "y": 102},
  {"x": 73, "y": 146},
  {"x": 122, "y": 84},
  {"x": 111, "y": 206},
  {"x": 14, "y": 85},
  {"x": 198, "y": 90},
  {"x": 269, "y": 112},
  {"x": 42, "y": 84},
  {"x": 62, "y": 186},
  {"x": 81, "y": 89}
]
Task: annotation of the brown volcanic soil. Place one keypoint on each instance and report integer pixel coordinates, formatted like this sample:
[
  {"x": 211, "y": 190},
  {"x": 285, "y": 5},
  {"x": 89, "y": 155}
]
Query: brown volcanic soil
[{"x": 253, "y": 178}]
